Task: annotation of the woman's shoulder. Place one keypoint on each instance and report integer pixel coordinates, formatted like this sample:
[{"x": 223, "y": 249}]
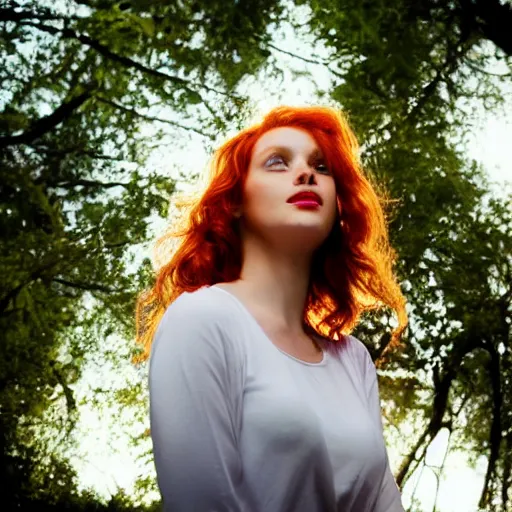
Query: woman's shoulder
[
  {"x": 199, "y": 319},
  {"x": 351, "y": 352},
  {"x": 199, "y": 313},
  {"x": 348, "y": 346},
  {"x": 357, "y": 347},
  {"x": 202, "y": 306}
]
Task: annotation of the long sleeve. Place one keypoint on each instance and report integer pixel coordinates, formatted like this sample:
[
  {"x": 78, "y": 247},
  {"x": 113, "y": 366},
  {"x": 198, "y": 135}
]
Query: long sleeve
[
  {"x": 195, "y": 392},
  {"x": 389, "y": 498}
]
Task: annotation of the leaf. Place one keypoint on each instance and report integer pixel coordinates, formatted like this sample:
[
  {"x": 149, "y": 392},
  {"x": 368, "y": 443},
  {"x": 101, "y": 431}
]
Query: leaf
[{"x": 193, "y": 97}]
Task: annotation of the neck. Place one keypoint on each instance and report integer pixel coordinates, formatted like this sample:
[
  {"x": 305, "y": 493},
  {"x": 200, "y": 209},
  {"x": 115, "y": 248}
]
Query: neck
[{"x": 277, "y": 282}]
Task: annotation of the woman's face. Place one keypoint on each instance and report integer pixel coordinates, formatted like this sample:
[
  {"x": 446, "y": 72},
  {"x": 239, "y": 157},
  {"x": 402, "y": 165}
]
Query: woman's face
[{"x": 284, "y": 162}]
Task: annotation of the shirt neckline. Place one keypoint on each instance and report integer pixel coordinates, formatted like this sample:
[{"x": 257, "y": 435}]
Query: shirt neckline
[{"x": 242, "y": 306}]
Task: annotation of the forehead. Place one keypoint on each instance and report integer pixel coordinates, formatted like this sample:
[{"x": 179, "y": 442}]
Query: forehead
[{"x": 296, "y": 139}]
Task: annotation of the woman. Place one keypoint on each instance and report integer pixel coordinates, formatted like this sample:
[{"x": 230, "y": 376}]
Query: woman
[{"x": 260, "y": 400}]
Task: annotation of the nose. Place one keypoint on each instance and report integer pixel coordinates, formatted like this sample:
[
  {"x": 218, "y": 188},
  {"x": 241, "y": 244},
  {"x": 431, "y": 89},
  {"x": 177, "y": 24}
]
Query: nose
[{"x": 306, "y": 177}]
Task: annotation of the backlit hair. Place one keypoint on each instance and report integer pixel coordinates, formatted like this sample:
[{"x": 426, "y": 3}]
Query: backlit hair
[{"x": 352, "y": 272}]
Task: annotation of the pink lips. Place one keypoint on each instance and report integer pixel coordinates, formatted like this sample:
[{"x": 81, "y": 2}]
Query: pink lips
[
  {"x": 306, "y": 199},
  {"x": 306, "y": 204}
]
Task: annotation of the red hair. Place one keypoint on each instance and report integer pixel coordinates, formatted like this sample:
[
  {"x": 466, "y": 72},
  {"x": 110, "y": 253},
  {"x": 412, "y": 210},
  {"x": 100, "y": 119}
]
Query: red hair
[{"x": 352, "y": 270}]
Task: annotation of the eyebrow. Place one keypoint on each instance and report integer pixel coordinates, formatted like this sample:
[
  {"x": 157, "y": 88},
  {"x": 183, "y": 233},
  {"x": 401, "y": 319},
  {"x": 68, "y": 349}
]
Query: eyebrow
[{"x": 285, "y": 149}]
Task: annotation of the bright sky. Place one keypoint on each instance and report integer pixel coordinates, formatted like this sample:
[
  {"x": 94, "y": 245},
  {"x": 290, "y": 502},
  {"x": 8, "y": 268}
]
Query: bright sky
[{"x": 100, "y": 466}]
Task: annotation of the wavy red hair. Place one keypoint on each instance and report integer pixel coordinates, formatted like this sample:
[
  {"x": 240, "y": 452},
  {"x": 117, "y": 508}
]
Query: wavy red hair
[{"x": 352, "y": 272}]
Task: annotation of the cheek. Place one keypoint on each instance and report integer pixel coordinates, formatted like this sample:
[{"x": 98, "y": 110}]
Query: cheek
[
  {"x": 333, "y": 202},
  {"x": 261, "y": 195}
]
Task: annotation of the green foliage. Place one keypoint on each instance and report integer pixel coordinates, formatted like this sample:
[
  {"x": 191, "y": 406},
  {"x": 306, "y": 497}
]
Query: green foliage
[
  {"x": 406, "y": 74},
  {"x": 91, "y": 87},
  {"x": 81, "y": 84}
]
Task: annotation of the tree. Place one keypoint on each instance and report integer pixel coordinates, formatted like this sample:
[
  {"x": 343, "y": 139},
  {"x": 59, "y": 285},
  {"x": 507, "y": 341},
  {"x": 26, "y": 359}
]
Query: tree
[
  {"x": 91, "y": 87},
  {"x": 82, "y": 84},
  {"x": 405, "y": 74}
]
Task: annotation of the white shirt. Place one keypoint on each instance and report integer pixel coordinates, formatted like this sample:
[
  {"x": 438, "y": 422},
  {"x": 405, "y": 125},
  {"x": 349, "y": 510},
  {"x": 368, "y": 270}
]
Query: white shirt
[{"x": 239, "y": 425}]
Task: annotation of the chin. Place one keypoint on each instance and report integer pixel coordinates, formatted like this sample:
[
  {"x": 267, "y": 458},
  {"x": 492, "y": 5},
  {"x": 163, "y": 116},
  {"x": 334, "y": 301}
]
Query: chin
[{"x": 304, "y": 237}]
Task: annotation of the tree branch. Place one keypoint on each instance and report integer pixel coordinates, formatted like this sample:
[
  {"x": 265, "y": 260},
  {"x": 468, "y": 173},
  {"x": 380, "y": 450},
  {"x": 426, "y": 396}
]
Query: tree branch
[
  {"x": 305, "y": 59},
  {"x": 442, "y": 386},
  {"x": 13, "y": 293},
  {"x": 446, "y": 69},
  {"x": 75, "y": 150},
  {"x": 47, "y": 123},
  {"x": 93, "y": 287},
  {"x": 438, "y": 471},
  {"x": 507, "y": 473},
  {"x": 449, "y": 65},
  {"x": 495, "y": 436},
  {"x": 410, "y": 457},
  {"x": 492, "y": 19},
  {"x": 119, "y": 244},
  {"x": 474, "y": 67},
  {"x": 11, "y": 15},
  {"x": 68, "y": 392},
  {"x": 67, "y": 33},
  {"x": 151, "y": 118},
  {"x": 87, "y": 183}
]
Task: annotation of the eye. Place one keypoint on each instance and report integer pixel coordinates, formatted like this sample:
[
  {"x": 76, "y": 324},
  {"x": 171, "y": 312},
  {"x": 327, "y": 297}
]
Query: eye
[
  {"x": 278, "y": 160},
  {"x": 323, "y": 169},
  {"x": 275, "y": 160}
]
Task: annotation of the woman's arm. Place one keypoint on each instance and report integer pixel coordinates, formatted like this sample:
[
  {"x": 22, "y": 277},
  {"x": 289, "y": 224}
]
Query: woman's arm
[
  {"x": 389, "y": 498},
  {"x": 193, "y": 379}
]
